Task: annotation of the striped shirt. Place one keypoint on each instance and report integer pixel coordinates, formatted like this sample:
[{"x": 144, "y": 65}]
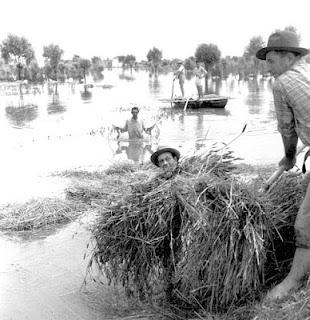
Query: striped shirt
[{"x": 291, "y": 92}]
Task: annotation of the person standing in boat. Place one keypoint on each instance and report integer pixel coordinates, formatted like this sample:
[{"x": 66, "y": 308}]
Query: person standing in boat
[
  {"x": 134, "y": 126},
  {"x": 200, "y": 73},
  {"x": 180, "y": 75}
]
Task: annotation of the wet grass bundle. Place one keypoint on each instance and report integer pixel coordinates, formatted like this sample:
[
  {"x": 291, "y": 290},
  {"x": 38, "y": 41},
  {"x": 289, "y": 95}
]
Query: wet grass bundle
[
  {"x": 284, "y": 199},
  {"x": 224, "y": 256},
  {"x": 156, "y": 227},
  {"x": 38, "y": 213},
  {"x": 204, "y": 238}
]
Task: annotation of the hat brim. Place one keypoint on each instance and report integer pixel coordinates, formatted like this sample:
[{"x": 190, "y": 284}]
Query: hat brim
[
  {"x": 261, "y": 54},
  {"x": 156, "y": 154}
]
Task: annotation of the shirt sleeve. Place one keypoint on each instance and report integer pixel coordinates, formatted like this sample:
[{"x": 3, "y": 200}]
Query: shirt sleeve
[{"x": 285, "y": 115}]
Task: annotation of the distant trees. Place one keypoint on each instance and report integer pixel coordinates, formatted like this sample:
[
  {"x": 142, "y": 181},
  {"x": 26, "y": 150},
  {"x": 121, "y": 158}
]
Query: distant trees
[
  {"x": 154, "y": 57},
  {"x": 17, "y": 50},
  {"x": 84, "y": 66},
  {"x": 209, "y": 54},
  {"x": 127, "y": 61},
  {"x": 52, "y": 54},
  {"x": 255, "y": 65},
  {"x": 96, "y": 68},
  {"x": 190, "y": 63}
]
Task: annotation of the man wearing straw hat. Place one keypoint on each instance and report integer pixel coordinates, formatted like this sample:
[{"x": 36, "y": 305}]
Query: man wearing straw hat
[
  {"x": 291, "y": 90},
  {"x": 167, "y": 159}
]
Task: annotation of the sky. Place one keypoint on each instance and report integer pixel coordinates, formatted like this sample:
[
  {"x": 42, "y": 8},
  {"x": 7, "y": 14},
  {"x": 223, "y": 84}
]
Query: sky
[{"x": 108, "y": 28}]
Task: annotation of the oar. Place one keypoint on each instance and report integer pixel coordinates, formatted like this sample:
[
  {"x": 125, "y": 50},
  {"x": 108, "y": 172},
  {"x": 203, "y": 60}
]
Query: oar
[
  {"x": 172, "y": 91},
  {"x": 185, "y": 106},
  {"x": 275, "y": 176}
]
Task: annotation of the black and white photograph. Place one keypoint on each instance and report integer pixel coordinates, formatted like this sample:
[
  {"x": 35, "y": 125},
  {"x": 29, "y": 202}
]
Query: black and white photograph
[{"x": 154, "y": 160}]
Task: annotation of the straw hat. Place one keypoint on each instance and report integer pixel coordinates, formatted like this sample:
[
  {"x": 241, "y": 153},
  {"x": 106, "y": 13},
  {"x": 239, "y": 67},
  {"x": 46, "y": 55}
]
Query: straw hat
[
  {"x": 160, "y": 150},
  {"x": 282, "y": 40}
]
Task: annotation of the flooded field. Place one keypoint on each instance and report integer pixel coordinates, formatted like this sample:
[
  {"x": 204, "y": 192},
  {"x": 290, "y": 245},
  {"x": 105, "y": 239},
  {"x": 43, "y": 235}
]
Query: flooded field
[{"x": 46, "y": 132}]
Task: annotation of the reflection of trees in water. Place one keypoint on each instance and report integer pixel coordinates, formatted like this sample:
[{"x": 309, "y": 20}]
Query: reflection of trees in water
[
  {"x": 86, "y": 95},
  {"x": 253, "y": 86},
  {"x": 55, "y": 106},
  {"x": 125, "y": 76},
  {"x": 22, "y": 114},
  {"x": 154, "y": 85},
  {"x": 256, "y": 95},
  {"x": 213, "y": 86}
]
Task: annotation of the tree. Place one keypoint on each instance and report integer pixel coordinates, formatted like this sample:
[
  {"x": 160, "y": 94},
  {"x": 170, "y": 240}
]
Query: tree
[
  {"x": 129, "y": 60},
  {"x": 97, "y": 68},
  {"x": 17, "y": 50},
  {"x": 154, "y": 57},
  {"x": 249, "y": 54},
  {"x": 255, "y": 44},
  {"x": 190, "y": 63},
  {"x": 84, "y": 65},
  {"x": 52, "y": 55},
  {"x": 209, "y": 54}
]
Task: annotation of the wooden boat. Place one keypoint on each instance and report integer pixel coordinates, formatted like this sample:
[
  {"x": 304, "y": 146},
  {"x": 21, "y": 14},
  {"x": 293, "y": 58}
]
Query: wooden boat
[{"x": 207, "y": 101}]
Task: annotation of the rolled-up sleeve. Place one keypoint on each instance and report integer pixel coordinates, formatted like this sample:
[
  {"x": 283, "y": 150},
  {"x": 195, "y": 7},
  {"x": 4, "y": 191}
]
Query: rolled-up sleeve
[{"x": 285, "y": 115}]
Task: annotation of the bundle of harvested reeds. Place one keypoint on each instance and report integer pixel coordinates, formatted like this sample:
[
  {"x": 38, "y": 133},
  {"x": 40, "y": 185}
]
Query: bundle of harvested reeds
[
  {"x": 38, "y": 213},
  {"x": 203, "y": 236}
]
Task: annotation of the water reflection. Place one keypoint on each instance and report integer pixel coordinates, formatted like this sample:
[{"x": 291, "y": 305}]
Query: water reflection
[
  {"x": 55, "y": 106},
  {"x": 154, "y": 85},
  {"x": 136, "y": 151},
  {"x": 20, "y": 115},
  {"x": 86, "y": 95},
  {"x": 125, "y": 76}
]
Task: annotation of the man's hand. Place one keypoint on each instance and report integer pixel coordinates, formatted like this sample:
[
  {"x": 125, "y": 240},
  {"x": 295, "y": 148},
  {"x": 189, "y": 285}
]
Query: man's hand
[{"x": 287, "y": 163}]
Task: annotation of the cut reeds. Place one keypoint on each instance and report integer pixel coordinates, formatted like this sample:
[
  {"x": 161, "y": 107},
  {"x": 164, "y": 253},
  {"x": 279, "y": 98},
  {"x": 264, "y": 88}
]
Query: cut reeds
[
  {"x": 38, "y": 213},
  {"x": 205, "y": 238}
]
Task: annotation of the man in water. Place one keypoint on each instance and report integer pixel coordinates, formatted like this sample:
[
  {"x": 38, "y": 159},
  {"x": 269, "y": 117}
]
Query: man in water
[
  {"x": 134, "y": 126},
  {"x": 291, "y": 91}
]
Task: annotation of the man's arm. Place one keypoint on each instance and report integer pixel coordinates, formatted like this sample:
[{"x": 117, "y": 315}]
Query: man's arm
[
  {"x": 290, "y": 145},
  {"x": 286, "y": 124},
  {"x": 121, "y": 129}
]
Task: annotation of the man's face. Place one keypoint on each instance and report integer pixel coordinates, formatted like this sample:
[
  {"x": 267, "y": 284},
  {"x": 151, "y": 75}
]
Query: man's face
[
  {"x": 277, "y": 63},
  {"x": 134, "y": 113},
  {"x": 167, "y": 162}
]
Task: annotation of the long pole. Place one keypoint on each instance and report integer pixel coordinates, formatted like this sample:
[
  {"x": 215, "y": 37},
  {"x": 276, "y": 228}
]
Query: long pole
[{"x": 172, "y": 91}]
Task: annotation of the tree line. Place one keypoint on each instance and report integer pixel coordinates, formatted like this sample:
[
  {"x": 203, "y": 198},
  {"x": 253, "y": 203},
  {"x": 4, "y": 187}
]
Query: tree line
[{"x": 19, "y": 62}]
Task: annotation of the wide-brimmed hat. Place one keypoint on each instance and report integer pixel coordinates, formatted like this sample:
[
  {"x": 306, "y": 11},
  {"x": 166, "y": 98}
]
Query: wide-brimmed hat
[
  {"x": 283, "y": 41},
  {"x": 160, "y": 150},
  {"x": 179, "y": 61}
]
